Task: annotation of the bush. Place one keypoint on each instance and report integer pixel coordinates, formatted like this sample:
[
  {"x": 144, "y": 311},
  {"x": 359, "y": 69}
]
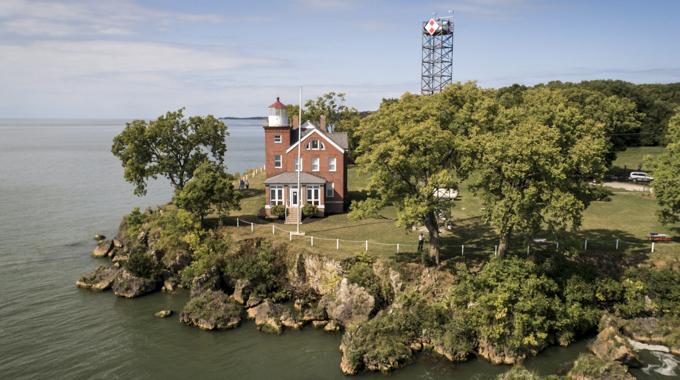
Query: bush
[
  {"x": 279, "y": 211},
  {"x": 143, "y": 265},
  {"x": 600, "y": 193},
  {"x": 134, "y": 222},
  {"x": 309, "y": 209}
]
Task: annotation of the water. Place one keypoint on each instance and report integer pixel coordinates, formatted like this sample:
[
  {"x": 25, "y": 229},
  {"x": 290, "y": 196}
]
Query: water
[{"x": 59, "y": 186}]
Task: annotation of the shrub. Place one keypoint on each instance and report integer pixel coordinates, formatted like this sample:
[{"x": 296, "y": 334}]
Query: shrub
[
  {"x": 279, "y": 211},
  {"x": 600, "y": 193},
  {"x": 134, "y": 222},
  {"x": 143, "y": 265},
  {"x": 309, "y": 209}
]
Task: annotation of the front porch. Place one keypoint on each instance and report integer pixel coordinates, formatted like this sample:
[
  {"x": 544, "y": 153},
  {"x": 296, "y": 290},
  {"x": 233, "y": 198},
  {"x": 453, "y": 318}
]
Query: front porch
[{"x": 282, "y": 190}]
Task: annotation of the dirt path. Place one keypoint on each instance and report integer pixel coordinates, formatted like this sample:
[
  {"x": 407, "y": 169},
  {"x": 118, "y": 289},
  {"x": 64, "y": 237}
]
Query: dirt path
[{"x": 628, "y": 186}]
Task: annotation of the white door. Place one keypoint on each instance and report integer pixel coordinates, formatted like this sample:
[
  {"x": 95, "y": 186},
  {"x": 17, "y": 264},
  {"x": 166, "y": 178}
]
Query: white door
[{"x": 293, "y": 191}]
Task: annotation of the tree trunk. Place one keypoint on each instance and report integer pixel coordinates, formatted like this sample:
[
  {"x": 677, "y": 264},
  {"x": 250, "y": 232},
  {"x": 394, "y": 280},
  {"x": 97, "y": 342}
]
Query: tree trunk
[
  {"x": 504, "y": 244},
  {"x": 433, "y": 230}
]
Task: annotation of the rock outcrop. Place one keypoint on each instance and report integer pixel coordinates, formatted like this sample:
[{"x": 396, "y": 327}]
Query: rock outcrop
[
  {"x": 316, "y": 273},
  {"x": 100, "y": 279},
  {"x": 653, "y": 330},
  {"x": 212, "y": 310},
  {"x": 103, "y": 249},
  {"x": 591, "y": 367},
  {"x": 495, "y": 355},
  {"x": 129, "y": 286},
  {"x": 164, "y": 313},
  {"x": 242, "y": 291},
  {"x": 349, "y": 304},
  {"x": 206, "y": 281},
  {"x": 610, "y": 346},
  {"x": 267, "y": 316}
]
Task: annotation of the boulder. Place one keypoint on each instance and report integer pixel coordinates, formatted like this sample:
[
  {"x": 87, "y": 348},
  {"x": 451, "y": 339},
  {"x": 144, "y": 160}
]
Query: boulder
[
  {"x": 498, "y": 355},
  {"x": 170, "y": 283},
  {"x": 331, "y": 327},
  {"x": 591, "y": 367},
  {"x": 299, "y": 304},
  {"x": 319, "y": 324},
  {"x": 99, "y": 237},
  {"x": 242, "y": 291},
  {"x": 349, "y": 304},
  {"x": 663, "y": 330},
  {"x": 129, "y": 286},
  {"x": 103, "y": 249},
  {"x": 253, "y": 301},
  {"x": 141, "y": 238},
  {"x": 317, "y": 273},
  {"x": 100, "y": 279},
  {"x": 164, "y": 313},
  {"x": 206, "y": 281},
  {"x": 267, "y": 316},
  {"x": 212, "y": 310},
  {"x": 289, "y": 320},
  {"x": 314, "y": 314},
  {"x": 610, "y": 346},
  {"x": 157, "y": 255}
]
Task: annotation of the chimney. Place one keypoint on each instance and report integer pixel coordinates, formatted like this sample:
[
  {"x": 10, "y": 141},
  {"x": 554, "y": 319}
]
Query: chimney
[
  {"x": 295, "y": 122},
  {"x": 322, "y": 123}
]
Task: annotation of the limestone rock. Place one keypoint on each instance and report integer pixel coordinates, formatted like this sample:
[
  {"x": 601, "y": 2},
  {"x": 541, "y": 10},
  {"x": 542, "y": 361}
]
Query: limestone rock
[
  {"x": 331, "y": 327},
  {"x": 611, "y": 346},
  {"x": 157, "y": 255},
  {"x": 241, "y": 291},
  {"x": 289, "y": 320},
  {"x": 129, "y": 286},
  {"x": 163, "y": 313},
  {"x": 99, "y": 237},
  {"x": 103, "y": 249},
  {"x": 350, "y": 304},
  {"x": 591, "y": 367},
  {"x": 100, "y": 279},
  {"x": 314, "y": 314},
  {"x": 497, "y": 355},
  {"x": 299, "y": 304},
  {"x": 317, "y": 273},
  {"x": 170, "y": 283},
  {"x": 141, "y": 238},
  {"x": 253, "y": 301},
  {"x": 662, "y": 330},
  {"x": 206, "y": 281},
  {"x": 319, "y": 324},
  {"x": 267, "y": 316},
  {"x": 212, "y": 310}
]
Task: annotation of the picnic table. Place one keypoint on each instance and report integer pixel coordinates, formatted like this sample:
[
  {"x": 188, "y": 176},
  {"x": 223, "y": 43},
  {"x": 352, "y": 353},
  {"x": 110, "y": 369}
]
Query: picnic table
[{"x": 653, "y": 236}]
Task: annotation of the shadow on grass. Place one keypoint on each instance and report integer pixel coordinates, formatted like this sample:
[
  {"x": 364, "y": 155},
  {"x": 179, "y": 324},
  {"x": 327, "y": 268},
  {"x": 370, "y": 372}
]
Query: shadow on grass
[{"x": 252, "y": 193}]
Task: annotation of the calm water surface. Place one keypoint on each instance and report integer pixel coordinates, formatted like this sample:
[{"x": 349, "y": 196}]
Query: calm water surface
[{"x": 59, "y": 186}]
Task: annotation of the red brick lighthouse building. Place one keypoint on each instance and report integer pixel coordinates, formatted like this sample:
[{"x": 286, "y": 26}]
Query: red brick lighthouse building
[{"x": 323, "y": 164}]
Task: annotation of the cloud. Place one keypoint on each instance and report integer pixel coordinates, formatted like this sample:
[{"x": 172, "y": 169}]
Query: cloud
[
  {"x": 86, "y": 18},
  {"x": 497, "y": 10}
]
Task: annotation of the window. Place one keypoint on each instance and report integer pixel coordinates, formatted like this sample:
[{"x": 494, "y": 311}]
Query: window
[
  {"x": 331, "y": 164},
  {"x": 276, "y": 195},
  {"x": 277, "y": 161},
  {"x": 315, "y": 164},
  {"x": 321, "y": 146},
  {"x": 313, "y": 194},
  {"x": 330, "y": 190},
  {"x": 296, "y": 164},
  {"x": 277, "y": 139},
  {"x": 315, "y": 144}
]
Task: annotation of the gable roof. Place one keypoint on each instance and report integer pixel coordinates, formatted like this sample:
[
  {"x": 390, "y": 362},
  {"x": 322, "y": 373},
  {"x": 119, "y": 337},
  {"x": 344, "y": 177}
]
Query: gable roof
[
  {"x": 337, "y": 139},
  {"x": 291, "y": 177}
]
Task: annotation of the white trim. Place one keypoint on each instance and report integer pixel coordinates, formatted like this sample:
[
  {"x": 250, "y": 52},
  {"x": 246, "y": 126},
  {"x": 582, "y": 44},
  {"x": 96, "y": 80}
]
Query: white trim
[
  {"x": 330, "y": 186},
  {"x": 280, "y": 161},
  {"x": 320, "y": 134},
  {"x": 318, "y": 164},
  {"x": 335, "y": 164},
  {"x": 327, "y": 202},
  {"x": 267, "y": 206},
  {"x": 280, "y": 139},
  {"x": 320, "y": 206}
]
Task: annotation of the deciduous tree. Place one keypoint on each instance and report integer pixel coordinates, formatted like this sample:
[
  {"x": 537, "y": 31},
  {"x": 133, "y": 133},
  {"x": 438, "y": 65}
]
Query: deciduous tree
[
  {"x": 666, "y": 169},
  {"x": 171, "y": 146}
]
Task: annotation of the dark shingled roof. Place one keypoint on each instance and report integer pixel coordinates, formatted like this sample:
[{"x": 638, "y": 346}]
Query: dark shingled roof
[
  {"x": 291, "y": 178},
  {"x": 339, "y": 138}
]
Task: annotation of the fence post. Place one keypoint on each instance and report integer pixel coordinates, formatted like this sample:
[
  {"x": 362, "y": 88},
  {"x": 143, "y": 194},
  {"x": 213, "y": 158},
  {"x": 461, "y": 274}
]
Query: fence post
[
  {"x": 528, "y": 245},
  {"x": 652, "y": 247},
  {"x": 337, "y": 244},
  {"x": 366, "y": 245},
  {"x": 252, "y": 227},
  {"x": 312, "y": 241},
  {"x": 397, "y": 247},
  {"x": 291, "y": 235},
  {"x": 617, "y": 243},
  {"x": 585, "y": 245},
  {"x": 273, "y": 231},
  {"x": 462, "y": 250},
  {"x": 237, "y": 222},
  {"x": 558, "y": 247},
  {"x": 495, "y": 250}
]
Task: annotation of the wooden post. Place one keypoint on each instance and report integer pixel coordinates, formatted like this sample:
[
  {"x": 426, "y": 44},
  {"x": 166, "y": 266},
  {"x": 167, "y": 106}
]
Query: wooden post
[
  {"x": 652, "y": 247},
  {"x": 397, "y": 248},
  {"x": 495, "y": 250},
  {"x": 462, "y": 250},
  {"x": 273, "y": 231},
  {"x": 528, "y": 245},
  {"x": 291, "y": 235},
  {"x": 237, "y": 222},
  {"x": 252, "y": 227},
  {"x": 585, "y": 245},
  {"x": 558, "y": 247},
  {"x": 312, "y": 241},
  {"x": 617, "y": 243},
  {"x": 366, "y": 245},
  {"x": 337, "y": 244}
]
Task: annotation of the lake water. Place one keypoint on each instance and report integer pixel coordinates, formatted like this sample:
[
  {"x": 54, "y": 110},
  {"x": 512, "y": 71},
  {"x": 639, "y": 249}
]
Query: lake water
[{"x": 59, "y": 186}]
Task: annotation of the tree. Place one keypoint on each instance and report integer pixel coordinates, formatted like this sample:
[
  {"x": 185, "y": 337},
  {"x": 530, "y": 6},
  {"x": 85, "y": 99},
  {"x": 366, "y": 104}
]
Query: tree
[
  {"x": 171, "y": 146},
  {"x": 209, "y": 187},
  {"x": 410, "y": 150},
  {"x": 531, "y": 165},
  {"x": 667, "y": 174}
]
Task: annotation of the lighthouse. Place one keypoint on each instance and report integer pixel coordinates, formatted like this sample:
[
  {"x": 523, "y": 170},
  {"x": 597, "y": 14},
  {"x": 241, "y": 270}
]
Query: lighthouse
[{"x": 278, "y": 114}]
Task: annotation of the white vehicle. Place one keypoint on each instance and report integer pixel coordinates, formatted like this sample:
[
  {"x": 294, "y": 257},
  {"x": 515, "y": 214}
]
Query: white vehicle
[{"x": 639, "y": 176}]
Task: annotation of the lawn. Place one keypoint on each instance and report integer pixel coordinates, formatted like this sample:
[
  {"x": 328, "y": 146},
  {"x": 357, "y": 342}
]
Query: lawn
[
  {"x": 628, "y": 216},
  {"x": 629, "y": 160}
]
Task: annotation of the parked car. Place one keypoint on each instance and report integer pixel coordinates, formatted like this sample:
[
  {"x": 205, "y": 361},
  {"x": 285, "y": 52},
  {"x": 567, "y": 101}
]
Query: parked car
[{"x": 639, "y": 176}]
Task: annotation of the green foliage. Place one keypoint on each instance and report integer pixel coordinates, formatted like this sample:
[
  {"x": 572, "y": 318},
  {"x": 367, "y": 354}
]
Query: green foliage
[
  {"x": 210, "y": 307},
  {"x": 519, "y": 373},
  {"x": 279, "y": 211},
  {"x": 590, "y": 366},
  {"x": 309, "y": 209},
  {"x": 210, "y": 187},
  {"x": 600, "y": 193},
  {"x": 208, "y": 251},
  {"x": 134, "y": 222},
  {"x": 143, "y": 265},
  {"x": 171, "y": 146},
  {"x": 667, "y": 174},
  {"x": 662, "y": 286},
  {"x": 261, "y": 264}
]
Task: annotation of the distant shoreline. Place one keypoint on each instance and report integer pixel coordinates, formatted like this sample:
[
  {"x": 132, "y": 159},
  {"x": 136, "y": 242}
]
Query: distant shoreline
[{"x": 243, "y": 118}]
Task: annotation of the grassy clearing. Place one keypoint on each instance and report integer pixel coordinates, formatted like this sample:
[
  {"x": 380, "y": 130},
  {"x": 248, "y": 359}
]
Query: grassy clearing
[
  {"x": 632, "y": 157},
  {"x": 629, "y": 216}
]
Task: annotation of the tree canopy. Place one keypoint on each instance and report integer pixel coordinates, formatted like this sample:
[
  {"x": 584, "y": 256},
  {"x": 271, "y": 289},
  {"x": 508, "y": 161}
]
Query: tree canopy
[
  {"x": 209, "y": 187},
  {"x": 667, "y": 174},
  {"x": 171, "y": 146}
]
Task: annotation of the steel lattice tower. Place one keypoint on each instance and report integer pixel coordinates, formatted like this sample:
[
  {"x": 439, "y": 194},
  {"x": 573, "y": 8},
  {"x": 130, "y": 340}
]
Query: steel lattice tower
[{"x": 437, "y": 67}]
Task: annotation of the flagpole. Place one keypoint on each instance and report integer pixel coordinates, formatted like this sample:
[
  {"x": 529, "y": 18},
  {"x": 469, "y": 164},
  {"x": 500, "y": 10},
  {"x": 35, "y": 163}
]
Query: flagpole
[{"x": 299, "y": 163}]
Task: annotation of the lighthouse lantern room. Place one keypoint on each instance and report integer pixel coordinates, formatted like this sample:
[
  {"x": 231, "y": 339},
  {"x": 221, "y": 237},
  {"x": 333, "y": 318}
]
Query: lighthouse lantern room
[{"x": 278, "y": 114}]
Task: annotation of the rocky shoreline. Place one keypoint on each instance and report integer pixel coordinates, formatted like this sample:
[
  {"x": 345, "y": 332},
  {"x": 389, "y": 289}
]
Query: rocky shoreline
[{"x": 386, "y": 320}]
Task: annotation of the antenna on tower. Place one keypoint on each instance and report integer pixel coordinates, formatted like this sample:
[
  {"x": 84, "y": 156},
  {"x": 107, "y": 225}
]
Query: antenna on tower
[{"x": 437, "y": 55}]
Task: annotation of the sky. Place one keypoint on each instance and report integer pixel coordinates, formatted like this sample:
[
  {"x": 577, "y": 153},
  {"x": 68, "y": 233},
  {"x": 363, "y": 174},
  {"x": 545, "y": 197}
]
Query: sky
[{"x": 142, "y": 58}]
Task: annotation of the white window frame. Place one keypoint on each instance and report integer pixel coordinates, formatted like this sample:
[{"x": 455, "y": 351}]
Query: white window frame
[
  {"x": 278, "y": 158},
  {"x": 330, "y": 190},
  {"x": 317, "y": 144},
  {"x": 332, "y": 164},
  {"x": 313, "y": 190},
  {"x": 296, "y": 164},
  {"x": 315, "y": 164},
  {"x": 277, "y": 139},
  {"x": 277, "y": 191}
]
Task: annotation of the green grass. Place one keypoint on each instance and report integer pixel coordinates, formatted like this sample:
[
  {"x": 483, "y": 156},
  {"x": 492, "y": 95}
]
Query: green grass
[
  {"x": 632, "y": 157},
  {"x": 629, "y": 216}
]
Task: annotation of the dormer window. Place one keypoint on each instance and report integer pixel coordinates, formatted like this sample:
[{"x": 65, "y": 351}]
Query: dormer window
[{"x": 315, "y": 145}]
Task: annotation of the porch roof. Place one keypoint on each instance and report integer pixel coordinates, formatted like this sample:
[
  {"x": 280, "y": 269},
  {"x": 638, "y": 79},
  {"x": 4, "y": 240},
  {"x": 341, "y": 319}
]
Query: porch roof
[{"x": 290, "y": 178}]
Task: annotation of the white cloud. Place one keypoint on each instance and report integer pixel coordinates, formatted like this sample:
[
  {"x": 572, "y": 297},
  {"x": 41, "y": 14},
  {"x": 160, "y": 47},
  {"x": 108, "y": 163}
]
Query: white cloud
[{"x": 87, "y": 18}]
